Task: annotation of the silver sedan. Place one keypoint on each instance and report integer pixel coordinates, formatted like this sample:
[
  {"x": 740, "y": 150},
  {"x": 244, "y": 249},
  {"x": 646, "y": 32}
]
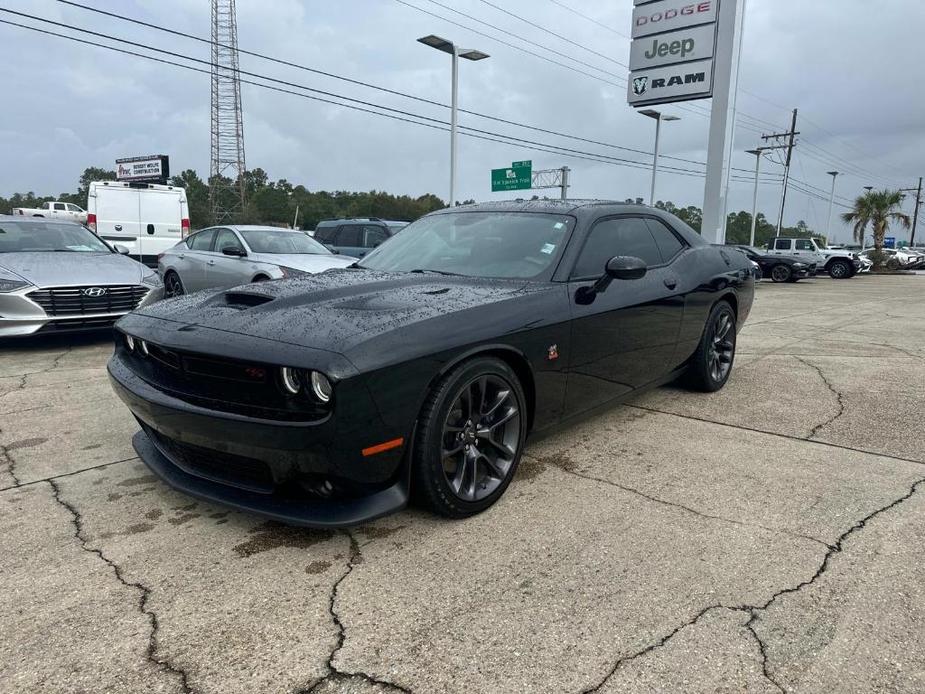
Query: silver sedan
[
  {"x": 227, "y": 256},
  {"x": 58, "y": 276}
]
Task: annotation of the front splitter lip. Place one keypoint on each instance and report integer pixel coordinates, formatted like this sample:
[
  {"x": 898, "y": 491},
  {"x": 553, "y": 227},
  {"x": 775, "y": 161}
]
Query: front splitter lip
[{"x": 312, "y": 513}]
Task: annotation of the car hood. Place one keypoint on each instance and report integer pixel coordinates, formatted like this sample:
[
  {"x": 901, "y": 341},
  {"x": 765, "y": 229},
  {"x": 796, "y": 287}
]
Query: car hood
[
  {"x": 338, "y": 310},
  {"x": 48, "y": 269},
  {"x": 306, "y": 262}
]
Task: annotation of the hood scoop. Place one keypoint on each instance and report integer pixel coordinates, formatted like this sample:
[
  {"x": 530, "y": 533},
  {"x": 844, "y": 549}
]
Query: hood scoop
[{"x": 245, "y": 300}]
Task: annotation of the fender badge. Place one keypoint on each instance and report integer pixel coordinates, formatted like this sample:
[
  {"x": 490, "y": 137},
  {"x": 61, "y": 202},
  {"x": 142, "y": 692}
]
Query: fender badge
[{"x": 553, "y": 353}]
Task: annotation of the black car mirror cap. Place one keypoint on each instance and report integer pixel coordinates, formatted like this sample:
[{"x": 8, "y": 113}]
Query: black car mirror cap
[
  {"x": 234, "y": 251},
  {"x": 626, "y": 267}
]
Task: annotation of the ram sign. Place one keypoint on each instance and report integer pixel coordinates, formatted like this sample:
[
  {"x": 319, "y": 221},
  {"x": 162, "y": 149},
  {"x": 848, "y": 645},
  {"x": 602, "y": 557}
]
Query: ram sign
[
  {"x": 153, "y": 169},
  {"x": 671, "y": 57}
]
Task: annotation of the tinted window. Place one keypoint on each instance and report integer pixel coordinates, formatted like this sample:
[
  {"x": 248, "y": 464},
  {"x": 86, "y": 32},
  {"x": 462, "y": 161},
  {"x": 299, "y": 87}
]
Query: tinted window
[
  {"x": 783, "y": 244},
  {"x": 225, "y": 239},
  {"x": 668, "y": 243},
  {"x": 805, "y": 246},
  {"x": 348, "y": 236},
  {"x": 477, "y": 244},
  {"x": 373, "y": 236},
  {"x": 59, "y": 206},
  {"x": 72, "y": 208},
  {"x": 201, "y": 241},
  {"x": 626, "y": 236},
  {"x": 325, "y": 234}
]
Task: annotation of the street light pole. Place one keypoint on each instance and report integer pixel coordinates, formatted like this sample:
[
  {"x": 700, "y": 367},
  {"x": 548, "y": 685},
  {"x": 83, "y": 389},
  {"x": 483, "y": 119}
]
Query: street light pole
[
  {"x": 757, "y": 152},
  {"x": 456, "y": 53},
  {"x": 828, "y": 227},
  {"x": 658, "y": 131}
]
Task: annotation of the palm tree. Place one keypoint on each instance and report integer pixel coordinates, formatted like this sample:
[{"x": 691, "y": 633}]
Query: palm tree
[{"x": 876, "y": 209}]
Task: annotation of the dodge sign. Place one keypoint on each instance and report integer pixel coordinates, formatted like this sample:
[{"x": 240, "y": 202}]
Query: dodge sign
[{"x": 670, "y": 15}]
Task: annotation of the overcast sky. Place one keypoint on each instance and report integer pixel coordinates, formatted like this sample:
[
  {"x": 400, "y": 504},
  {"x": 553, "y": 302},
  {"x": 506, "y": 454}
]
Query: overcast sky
[{"x": 851, "y": 67}]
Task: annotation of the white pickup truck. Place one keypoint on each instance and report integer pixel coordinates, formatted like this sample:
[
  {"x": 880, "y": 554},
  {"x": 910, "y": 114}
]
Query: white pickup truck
[{"x": 57, "y": 210}]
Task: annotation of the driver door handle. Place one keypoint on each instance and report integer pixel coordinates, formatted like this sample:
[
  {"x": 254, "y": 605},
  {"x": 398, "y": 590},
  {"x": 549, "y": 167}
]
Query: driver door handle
[{"x": 211, "y": 262}]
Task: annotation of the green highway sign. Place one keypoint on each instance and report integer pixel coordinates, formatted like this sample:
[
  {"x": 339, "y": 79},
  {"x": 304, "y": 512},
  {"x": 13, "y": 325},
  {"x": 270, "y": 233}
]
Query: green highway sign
[{"x": 518, "y": 177}]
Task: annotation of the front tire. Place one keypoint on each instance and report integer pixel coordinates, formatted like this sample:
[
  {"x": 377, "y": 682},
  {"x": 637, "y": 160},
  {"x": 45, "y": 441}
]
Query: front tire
[
  {"x": 711, "y": 364},
  {"x": 839, "y": 270},
  {"x": 781, "y": 273},
  {"x": 471, "y": 435},
  {"x": 173, "y": 285}
]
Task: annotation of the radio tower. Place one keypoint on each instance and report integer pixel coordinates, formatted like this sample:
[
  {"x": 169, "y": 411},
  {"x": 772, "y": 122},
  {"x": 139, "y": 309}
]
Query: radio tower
[{"x": 226, "y": 179}]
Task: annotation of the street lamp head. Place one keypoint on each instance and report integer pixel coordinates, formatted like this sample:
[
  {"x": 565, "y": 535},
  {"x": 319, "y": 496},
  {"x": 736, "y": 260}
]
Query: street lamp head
[
  {"x": 833, "y": 173},
  {"x": 440, "y": 44},
  {"x": 668, "y": 119},
  {"x": 756, "y": 152},
  {"x": 472, "y": 54},
  {"x": 651, "y": 113}
]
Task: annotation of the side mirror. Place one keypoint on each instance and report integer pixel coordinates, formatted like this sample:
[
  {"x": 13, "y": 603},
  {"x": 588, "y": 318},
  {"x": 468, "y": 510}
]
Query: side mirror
[
  {"x": 618, "y": 268},
  {"x": 626, "y": 267},
  {"x": 234, "y": 251},
  {"x": 331, "y": 248},
  {"x": 119, "y": 248}
]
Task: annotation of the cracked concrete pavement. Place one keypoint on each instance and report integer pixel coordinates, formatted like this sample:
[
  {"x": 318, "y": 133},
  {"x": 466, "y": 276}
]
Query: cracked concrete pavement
[{"x": 766, "y": 538}]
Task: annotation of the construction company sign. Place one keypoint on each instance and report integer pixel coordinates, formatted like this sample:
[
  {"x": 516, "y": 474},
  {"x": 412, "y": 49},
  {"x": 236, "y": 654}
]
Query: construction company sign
[
  {"x": 671, "y": 58},
  {"x": 152, "y": 169}
]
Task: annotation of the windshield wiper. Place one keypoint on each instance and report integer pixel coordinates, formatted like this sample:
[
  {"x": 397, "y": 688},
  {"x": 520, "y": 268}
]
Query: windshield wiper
[{"x": 439, "y": 272}]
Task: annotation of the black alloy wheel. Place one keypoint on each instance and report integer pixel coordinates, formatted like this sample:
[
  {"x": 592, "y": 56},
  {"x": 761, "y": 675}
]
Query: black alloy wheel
[
  {"x": 781, "y": 273},
  {"x": 839, "y": 270},
  {"x": 173, "y": 286},
  {"x": 471, "y": 436},
  {"x": 712, "y": 363}
]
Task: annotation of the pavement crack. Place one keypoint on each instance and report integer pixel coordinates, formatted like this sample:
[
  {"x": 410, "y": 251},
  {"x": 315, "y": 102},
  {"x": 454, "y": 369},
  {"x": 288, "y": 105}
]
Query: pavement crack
[
  {"x": 651, "y": 647},
  {"x": 840, "y": 399},
  {"x": 6, "y": 459},
  {"x": 335, "y": 674},
  {"x": 21, "y": 484},
  {"x": 764, "y": 657},
  {"x": 144, "y": 592},
  {"x": 688, "y": 509}
]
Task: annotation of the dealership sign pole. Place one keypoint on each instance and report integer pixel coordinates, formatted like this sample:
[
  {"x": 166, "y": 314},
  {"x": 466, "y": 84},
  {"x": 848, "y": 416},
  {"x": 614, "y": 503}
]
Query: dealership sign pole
[{"x": 684, "y": 50}]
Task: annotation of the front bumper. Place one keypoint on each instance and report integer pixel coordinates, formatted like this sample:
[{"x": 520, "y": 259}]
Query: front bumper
[
  {"x": 20, "y": 316},
  {"x": 292, "y": 472}
]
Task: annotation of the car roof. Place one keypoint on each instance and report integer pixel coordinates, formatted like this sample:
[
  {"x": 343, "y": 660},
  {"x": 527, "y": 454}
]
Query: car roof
[
  {"x": 255, "y": 227},
  {"x": 364, "y": 220},
  {"x": 23, "y": 219}
]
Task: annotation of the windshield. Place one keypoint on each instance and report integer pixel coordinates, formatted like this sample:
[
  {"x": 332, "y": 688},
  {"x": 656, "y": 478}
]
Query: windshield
[
  {"x": 19, "y": 237},
  {"x": 512, "y": 245},
  {"x": 277, "y": 241}
]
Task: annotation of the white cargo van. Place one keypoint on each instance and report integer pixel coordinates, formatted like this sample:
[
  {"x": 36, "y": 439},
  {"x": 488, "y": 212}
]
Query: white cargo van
[{"x": 146, "y": 218}]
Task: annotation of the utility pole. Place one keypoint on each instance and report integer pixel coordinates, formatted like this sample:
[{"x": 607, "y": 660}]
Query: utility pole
[
  {"x": 758, "y": 154},
  {"x": 918, "y": 205},
  {"x": 791, "y": 135}
]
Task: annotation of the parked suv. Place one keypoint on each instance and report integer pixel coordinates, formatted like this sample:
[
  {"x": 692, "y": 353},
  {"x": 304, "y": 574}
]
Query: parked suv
[
  {"x": 356, "y": 237},
  {"x": 839, "y": 264}
]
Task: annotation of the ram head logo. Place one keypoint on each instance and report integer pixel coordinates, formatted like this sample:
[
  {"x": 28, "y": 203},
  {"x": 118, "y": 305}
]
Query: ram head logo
[{"x": 640, "y": 85}]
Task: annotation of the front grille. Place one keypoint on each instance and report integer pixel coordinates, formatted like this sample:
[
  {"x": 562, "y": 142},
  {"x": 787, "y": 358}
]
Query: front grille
[
  {"x": 79, "y": 301},
  {"x": 77, "y": 324},
  {"x": 225, "y": 468}
]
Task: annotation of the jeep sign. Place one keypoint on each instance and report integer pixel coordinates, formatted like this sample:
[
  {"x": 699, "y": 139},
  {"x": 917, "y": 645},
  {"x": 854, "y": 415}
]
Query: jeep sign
[
  {"x": 684, "y": 45},
  {"x": 671, "y": 15},
  {"x": 672, "y": 83}
]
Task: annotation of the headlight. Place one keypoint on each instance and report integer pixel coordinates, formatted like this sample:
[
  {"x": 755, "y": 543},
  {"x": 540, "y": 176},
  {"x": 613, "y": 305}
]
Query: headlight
[
  {"x": 8, "y": 284},
  {"x": 152, "y": 280},
  {"x": 130, "y": 343},
  {"x": 799, "y": 266},
  {"x": 292, "y": 272},
  {"x": 321, "y": 386},
  {"x": 292, "y": 384}
]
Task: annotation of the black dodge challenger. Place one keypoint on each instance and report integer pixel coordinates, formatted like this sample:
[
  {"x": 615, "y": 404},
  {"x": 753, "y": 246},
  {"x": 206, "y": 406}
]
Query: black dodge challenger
[{"x": 329, "y": 400}]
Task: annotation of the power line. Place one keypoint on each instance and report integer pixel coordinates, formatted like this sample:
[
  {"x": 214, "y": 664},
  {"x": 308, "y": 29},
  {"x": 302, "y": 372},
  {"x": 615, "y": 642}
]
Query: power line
[
  {"x": 590, "y": 19},
  {"x": 553, "y": 33},
  {"x": 433, "y": 123}
]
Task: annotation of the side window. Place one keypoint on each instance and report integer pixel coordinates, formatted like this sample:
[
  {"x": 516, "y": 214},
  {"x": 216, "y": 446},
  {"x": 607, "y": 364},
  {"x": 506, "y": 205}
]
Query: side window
[
  {"x": 805, "y": 245},
  {"x": 324, "y": 234},
  {"x": 669, "y": 245},
  {"x": 623, "y": 236},
  {"x": 782, "y": 244},
  {"x": 226, "y": 238},
  {"x": 72, "y": 208},
  {"x": 348, "y": 235},
  {"x": 60, "y": 206},
  {"x": 201, "y": 241},
  {"x": 373, "y": 236}
]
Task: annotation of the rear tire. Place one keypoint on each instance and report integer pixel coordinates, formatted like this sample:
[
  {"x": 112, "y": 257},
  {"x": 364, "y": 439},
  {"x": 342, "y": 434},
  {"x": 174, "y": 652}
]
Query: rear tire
[
  {"x": 173, "y": 285},
  {"x": 471, "y": 434},
  {"x": 839, "y": 270},
  {"x": 781, "y": 273},
  {"x": 711, "y": 364}
]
